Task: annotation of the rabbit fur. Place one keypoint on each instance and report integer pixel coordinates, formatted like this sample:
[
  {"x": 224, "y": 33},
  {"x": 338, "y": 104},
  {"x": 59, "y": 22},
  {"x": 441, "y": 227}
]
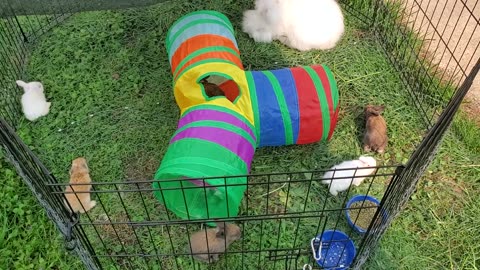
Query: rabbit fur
[
  {"x": 34, "y": 103},
  {"x": 353, "y": 176},
  {"x": 211, "y": 89},
  {"x": 375, "y": 138},
  {"x": 214, "y": 240},
  {"x": 79, "y": 174},
  {"x": 299, "y": 24}
]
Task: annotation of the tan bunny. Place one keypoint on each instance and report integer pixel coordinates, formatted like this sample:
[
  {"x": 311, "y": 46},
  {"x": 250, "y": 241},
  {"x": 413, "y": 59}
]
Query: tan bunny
[
  {"x": 213, "y": 242},
  {"x": 375, "y": 138},
  {"x": 79, "y": 174}
]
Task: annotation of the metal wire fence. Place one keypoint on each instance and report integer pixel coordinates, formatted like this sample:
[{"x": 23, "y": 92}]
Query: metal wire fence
[{"x": 276, "y": 207}]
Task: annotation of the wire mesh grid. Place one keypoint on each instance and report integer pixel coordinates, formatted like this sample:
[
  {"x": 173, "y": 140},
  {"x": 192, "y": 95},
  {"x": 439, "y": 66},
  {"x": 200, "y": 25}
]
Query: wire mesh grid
[
  {"x": 434, "y": 44},
  {"x": 278, "y": 217},
  {"x": 17, "y": 34}
]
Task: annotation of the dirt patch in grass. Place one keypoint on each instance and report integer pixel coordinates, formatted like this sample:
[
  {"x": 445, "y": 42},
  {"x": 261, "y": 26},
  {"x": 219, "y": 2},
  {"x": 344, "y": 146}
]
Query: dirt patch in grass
[
  {"x": 456, "y": 48},
  {"x": 472, "y": 107},
  {"x": 140, "y": 167},
  {"x": 119, "y": 231}
]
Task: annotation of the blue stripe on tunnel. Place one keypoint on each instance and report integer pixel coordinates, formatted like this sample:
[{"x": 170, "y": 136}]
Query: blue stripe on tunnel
[
  {"x": 271, "y": 124},
  {"x": 289, "y": 89}
]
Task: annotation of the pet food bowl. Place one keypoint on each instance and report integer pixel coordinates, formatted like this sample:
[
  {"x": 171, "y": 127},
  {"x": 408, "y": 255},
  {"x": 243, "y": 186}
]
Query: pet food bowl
[
  {"x": 336, "y": 250},
  {"x": 354, "y": 199}
]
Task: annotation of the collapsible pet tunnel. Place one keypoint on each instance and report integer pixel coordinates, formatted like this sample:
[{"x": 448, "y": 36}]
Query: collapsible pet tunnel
[
  {"x": 199, "y": 44},
  {"x": 294, "y": 105},
  {"x": 219, "y": 135},
  {"x": 210, "y": 141}
]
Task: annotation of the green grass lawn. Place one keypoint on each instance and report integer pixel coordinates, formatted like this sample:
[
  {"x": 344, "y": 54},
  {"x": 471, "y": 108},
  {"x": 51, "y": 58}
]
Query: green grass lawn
[
  {"x": 108, "y": 78},
  {"x": 28, "y": 240}
]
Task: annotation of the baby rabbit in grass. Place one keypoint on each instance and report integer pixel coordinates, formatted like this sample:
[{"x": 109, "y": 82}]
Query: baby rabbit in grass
[
  {"x": 211, "y": 89},
  {"x": 218, "y": 240},
  {"x": 299, "y": 24},
  {"x": 375, "y": 138},
  {"x": 79, "y": 174},
  {"x": 34, "y": 103},
  {"x": 349, "y": 177}
]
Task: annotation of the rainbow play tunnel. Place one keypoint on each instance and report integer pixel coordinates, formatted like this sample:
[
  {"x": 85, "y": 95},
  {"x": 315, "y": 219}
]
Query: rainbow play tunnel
[
  {"x": 199, "y": 44},
  {"x": 209, "y": 141},
  {"x": 294, "y": 105},
  {"x": 217, "y": 136}
]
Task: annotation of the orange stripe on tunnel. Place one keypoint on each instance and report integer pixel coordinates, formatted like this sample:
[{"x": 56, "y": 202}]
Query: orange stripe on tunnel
[
  {"x": 200, "y": 42},
  {"x": 211, "y": 55}
]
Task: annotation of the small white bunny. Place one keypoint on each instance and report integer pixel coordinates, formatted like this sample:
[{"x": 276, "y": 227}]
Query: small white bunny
[
  {"x": 34, "y": 103},
  {"x": 299, "y": 24},
  {"x": 354, "y": 176}
]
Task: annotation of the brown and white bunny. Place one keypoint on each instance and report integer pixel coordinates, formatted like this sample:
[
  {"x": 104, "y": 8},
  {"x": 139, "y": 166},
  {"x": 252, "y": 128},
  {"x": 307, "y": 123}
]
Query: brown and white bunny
[
  {"x": 206, "y": 245},
  {"x": 211, "y": 89},
  {"x": 375, "y": 138},
  {"x": 79, "y": 182}
]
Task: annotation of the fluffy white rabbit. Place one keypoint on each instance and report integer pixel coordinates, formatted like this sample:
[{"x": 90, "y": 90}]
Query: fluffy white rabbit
[
  {"x": 352, "y": 177},
  {"x": 300, "y": 24},
  {"x": 34, "y": 103}
]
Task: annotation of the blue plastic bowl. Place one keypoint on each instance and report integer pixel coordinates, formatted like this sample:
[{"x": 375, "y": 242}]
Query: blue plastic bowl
[
  {"x": 337, "y": 252},
  {"x": 359, "y": 198}
]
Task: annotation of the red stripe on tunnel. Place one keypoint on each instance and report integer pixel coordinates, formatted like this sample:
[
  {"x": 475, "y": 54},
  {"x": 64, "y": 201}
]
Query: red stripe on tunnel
[{"x": 311, "y": 125}]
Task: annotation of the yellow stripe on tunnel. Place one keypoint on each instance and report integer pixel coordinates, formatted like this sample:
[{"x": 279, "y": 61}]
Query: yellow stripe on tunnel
[{"x": 189, "y": 93}]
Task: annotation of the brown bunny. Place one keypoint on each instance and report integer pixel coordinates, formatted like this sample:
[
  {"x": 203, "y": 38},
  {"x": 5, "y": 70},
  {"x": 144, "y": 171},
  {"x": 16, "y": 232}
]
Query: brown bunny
[
  {"x": 375, "y": 138},
  {"x": 79, "y": 174},
  {"x": 211, "y": 89},
  {"x": 214, "y": 240}
]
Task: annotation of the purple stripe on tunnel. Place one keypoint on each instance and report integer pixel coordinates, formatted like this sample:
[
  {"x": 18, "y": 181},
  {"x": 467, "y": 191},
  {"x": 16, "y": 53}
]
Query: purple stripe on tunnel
[
  {"x": 230, "y": 140},
  {"x": 205, "y": 114}
]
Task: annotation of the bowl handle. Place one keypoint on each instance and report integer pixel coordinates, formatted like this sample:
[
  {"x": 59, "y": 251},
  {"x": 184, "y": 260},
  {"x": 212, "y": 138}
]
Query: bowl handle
[{"x": 315, "y": 256}]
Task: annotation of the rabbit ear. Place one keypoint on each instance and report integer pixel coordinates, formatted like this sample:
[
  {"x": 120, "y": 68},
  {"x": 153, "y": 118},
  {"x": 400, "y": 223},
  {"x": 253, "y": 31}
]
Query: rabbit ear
[
  {"x": 369, "y": 110},
  {"x": 84, "y": 165},
  {"x": 21, "y": 83},
  {"x": 380, "y": 108},
  {"x": 220, "y": 230},
  {"x": 72, "y": 166},
  {"x": 82, "y": 162}
]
